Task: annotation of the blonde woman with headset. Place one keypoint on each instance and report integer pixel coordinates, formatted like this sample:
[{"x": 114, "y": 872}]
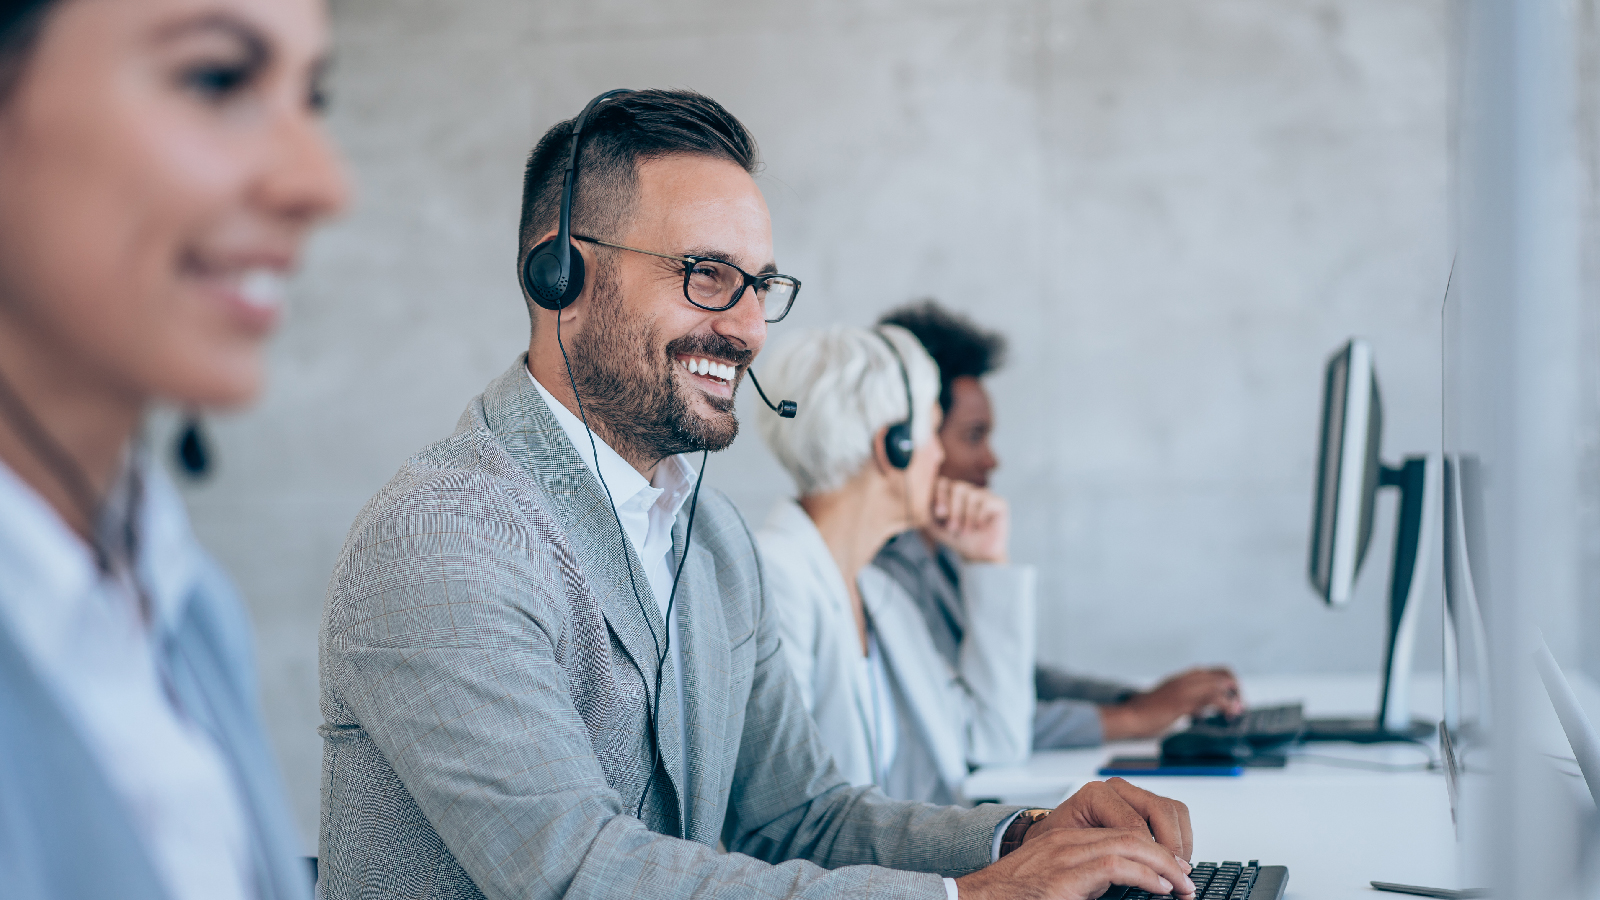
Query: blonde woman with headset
[{"x": 865, "y": 459}]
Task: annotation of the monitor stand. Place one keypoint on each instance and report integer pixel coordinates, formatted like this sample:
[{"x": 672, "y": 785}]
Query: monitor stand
[
  {"x": 1364, "y": 731},
  {"x": 1418, "y": 481}
]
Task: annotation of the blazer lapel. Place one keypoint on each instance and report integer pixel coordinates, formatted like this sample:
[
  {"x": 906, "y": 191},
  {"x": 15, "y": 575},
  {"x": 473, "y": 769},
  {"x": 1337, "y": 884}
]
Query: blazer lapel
[
  {"x": 519, "y": 418},
  {"x": 198, "y": 678},
  {"x": 790, "y": 520},
  {"x": 59, "y": 802},
  {"x": 909, "y": 661},
  {"x": 706, "y": 661},
  {"x": 517, "y": 415}
]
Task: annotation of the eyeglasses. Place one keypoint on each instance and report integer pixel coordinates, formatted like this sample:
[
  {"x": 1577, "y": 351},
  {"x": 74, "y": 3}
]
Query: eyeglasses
[{"x": 714, "y": 285}]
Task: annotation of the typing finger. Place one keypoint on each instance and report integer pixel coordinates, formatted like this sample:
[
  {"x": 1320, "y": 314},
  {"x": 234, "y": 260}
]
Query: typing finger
[
  {"x": 1225, "y": 694},
  {"x": 1168, "y": 819},
  {"x": 1131, "y": 858}
]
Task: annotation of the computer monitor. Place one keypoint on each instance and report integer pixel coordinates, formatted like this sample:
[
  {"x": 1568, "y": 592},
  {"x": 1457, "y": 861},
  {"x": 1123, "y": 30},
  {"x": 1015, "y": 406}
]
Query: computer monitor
[
  {"x": 1347, "y": 471},
  {"x": 1513, "y": 362},
  {"x": 1350, "y": 472}
]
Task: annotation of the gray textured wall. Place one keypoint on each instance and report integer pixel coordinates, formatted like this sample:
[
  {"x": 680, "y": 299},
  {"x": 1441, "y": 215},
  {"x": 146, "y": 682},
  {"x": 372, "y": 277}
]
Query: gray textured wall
[
  {"x": 1175, "y": 210},
  {"x": 1588, "y": 350}
]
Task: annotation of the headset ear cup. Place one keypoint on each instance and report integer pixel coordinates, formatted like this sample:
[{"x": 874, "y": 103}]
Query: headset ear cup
[
  {"x": 541, "y": 277},
  {"x": 898, "y": 446},
  {"x": 574, "y": 280}
]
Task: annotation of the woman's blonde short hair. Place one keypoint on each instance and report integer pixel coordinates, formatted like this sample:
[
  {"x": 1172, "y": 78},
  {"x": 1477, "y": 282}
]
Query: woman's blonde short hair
[{"x": 848, "y": 385}]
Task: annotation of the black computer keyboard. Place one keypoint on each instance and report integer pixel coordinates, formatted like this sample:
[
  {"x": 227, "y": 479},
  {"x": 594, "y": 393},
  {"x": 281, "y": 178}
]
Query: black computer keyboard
[
  {"x": 1217, "y": 737},
  {"x": 1228, "y": 881}
]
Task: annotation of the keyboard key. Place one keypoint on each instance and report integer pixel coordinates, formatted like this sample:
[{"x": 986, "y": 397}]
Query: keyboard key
[{"x": 1224, "y": 881}]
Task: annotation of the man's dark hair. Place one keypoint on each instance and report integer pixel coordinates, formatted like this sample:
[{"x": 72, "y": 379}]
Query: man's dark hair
[
  {"x": 961, "y": 348},
  {"x": 626, "y": 131}
]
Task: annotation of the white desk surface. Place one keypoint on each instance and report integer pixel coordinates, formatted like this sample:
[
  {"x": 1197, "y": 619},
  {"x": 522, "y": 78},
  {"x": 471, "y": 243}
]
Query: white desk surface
[{"x": 1336, "y": 827}]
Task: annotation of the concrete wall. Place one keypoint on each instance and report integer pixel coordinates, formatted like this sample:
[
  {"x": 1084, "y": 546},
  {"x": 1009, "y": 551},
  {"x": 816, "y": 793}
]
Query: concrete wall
[
  {"x": 1174, "y": 210},
  {"x": 1588, "y": 350}
]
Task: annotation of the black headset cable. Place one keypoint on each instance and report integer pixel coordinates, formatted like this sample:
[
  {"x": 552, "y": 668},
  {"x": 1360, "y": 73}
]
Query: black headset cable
[{"x": 653, "y": 712}]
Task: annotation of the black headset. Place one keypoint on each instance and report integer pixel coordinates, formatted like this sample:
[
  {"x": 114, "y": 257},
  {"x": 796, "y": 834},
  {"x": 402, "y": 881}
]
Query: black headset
[
  {"x": 552, "y": 274},
  {"x": 898, "y": 444}
]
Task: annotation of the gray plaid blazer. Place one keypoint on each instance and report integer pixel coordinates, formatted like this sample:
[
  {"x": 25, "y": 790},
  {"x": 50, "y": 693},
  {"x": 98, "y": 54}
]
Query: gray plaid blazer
[{"x": 486, "y": 672}]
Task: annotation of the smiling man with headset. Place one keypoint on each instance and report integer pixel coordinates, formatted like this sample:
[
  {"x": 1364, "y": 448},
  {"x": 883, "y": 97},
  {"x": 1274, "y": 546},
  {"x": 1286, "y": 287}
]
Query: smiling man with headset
[{"x": 548, "y": 666}]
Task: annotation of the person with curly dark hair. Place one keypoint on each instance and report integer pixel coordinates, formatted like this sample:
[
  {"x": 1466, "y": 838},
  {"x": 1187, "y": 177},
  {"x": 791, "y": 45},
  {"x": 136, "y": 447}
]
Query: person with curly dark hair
[{"x": 1073, "y": 710}]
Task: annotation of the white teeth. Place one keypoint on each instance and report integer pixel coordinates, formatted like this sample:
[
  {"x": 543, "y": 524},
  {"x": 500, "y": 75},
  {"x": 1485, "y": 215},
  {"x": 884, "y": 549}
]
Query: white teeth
[
  {"x": 703, "y": 366},
  {"x": 262, "y": 288}
]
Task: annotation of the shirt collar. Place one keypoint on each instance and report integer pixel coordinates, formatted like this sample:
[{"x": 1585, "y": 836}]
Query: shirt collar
[
  {"x": 48, "y": 572},
  {"x": 676, "y": 478},
  {"x": 629, "y": 489}
]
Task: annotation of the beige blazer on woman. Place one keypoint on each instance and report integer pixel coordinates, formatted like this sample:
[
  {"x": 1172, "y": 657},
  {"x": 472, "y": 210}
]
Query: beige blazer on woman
[{"x": 948, "y": 718}]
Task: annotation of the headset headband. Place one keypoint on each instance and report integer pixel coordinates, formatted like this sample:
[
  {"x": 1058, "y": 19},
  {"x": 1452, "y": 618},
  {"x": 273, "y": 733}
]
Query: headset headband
[
  {"x": 898, "y": 443},
  {"x": 563, "y": 246},
  {"x": 905, "y": 376}
]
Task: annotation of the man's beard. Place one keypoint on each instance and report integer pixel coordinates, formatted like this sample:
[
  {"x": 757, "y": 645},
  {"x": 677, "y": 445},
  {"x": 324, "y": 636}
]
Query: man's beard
[{"x": 630, "y": 390}]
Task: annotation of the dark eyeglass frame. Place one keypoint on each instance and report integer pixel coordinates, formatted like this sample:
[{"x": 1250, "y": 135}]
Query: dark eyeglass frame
[{"x": 689, "y": 262}]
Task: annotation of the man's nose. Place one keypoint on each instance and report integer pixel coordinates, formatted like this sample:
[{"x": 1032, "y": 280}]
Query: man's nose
[{"x": 745, "y": 322}]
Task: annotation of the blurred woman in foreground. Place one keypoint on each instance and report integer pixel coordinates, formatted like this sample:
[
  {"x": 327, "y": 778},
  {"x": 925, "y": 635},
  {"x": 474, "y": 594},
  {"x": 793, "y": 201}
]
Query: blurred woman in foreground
[
  {"x": 888, "y": 706},
  {"x": 161, "y": 162}
]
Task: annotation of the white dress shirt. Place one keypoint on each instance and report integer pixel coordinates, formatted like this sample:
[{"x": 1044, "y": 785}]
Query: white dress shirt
[
  {"x": 648, "y": 510},
  {"x": 84, "y": 635}
]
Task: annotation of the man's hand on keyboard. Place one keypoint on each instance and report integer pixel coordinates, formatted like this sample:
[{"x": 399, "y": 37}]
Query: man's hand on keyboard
[
  {"x": 1148, "y": 714},
  {"x": 1078, "y": 864},
  {"x": 1114, "y": 803}
]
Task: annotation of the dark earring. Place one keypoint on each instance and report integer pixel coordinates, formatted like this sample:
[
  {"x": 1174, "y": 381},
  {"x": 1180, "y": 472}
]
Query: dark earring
[{"x": 191, "y": 452}]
